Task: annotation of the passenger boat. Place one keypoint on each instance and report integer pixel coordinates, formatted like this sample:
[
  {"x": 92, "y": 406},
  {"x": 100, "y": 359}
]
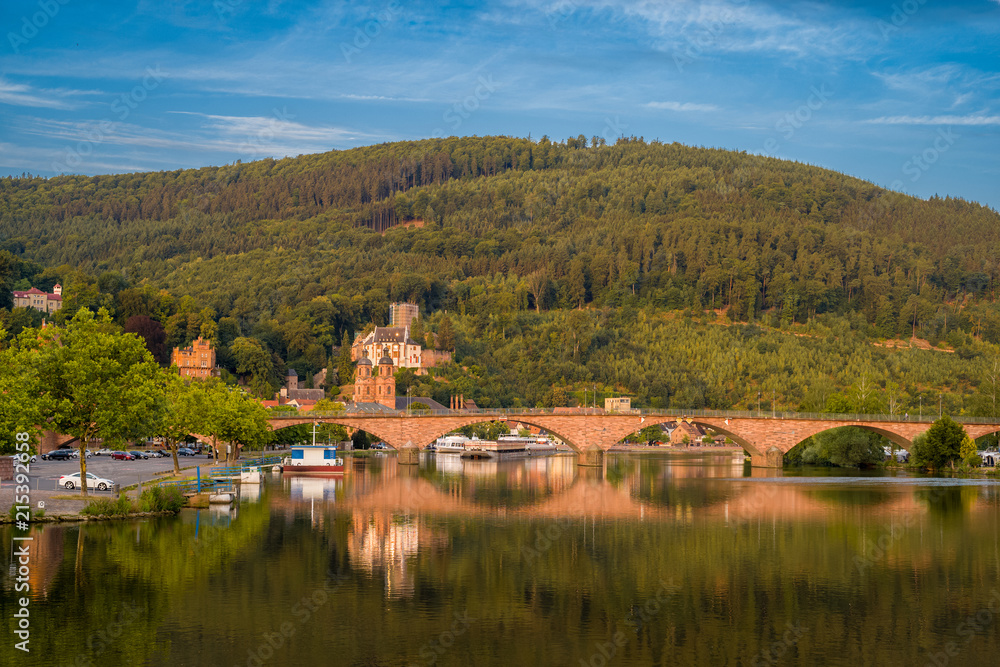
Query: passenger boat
[
  {"x": 313, "y": 460},
  {"x": 451, "y": 444}
]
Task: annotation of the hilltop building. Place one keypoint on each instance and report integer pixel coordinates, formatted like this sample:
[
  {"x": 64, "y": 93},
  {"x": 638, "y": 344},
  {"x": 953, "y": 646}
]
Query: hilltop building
[
  {"x": 403, "y": 350},
  {"x": 39, "y": 300},
  {"x": 197, "y": 360},
  {"x": 403, "y": 314},
  {"x": 394, "y": 342}
]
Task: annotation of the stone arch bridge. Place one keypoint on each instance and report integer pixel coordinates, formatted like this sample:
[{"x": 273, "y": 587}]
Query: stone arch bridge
[{"x": 766, "y": 437}]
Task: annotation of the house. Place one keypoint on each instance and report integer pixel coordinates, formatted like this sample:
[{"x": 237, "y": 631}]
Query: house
[
  {"x": 196, "y": 360},
  {"x": 683, "y": 433},
  {"x": 291, "y": 390},
  {"x": 621, "y": 404},
  {"x": 39, "y": 300}
]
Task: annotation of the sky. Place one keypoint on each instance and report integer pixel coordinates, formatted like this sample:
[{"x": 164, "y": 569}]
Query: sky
[{"x": 903, "y": 93}]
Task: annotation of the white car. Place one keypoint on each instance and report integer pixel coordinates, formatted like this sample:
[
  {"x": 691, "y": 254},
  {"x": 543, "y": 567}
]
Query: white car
[
  {"x": 103, "y": 452},
  {"x": 93, "y": 482},
  {"x": 31, "y": 458}
]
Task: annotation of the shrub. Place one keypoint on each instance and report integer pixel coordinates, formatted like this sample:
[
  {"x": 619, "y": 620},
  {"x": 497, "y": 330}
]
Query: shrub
[
  {"x": 161, "y": 499},
  {"x": 121, "y": 506}
]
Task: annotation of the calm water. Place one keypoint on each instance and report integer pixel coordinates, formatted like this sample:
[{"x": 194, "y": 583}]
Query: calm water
[{"x": 649, "y": 561}]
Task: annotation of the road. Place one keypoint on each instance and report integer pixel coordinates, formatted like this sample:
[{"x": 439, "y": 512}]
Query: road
[{"x": 45, "y": 474}]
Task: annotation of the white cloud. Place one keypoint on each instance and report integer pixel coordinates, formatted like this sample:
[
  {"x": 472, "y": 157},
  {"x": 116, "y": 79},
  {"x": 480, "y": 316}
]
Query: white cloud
[
  {"x": 251, "y": 137},
  {"x": 681, "y": 106},
  {"x": 23, "y": 95},
  {"x": 973, "y": 119}
]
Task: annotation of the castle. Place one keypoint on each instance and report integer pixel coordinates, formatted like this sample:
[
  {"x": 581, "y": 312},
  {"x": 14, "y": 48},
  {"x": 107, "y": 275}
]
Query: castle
[{"x": 39, "y": 300}]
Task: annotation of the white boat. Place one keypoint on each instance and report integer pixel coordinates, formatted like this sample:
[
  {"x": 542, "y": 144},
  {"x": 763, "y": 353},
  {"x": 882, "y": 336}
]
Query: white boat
[
  {"x": 451, "y": 444},
  {"x": 313, "y": 460}
]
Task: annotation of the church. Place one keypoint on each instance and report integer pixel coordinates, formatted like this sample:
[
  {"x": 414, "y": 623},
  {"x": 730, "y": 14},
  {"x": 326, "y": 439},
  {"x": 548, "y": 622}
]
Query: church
[{"x": 375, "y": 383}]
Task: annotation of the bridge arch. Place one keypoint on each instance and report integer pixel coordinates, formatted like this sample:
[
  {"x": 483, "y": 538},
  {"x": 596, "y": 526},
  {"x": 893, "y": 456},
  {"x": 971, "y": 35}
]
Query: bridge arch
[{"x": 746, "y": 444}]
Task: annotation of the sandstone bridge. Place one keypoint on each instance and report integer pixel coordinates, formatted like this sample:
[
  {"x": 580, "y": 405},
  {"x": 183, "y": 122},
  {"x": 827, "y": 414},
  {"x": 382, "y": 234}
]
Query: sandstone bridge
[{"x": 765, "y": 436}]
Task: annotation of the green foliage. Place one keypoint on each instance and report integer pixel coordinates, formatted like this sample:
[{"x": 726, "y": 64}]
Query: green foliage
[
  {"x": 120, "y": 506},
  {"x": 161, "y": 499},
  {"x": 540, "y": 264},
  {"x": 485, "y": 430},
  {"x": 19, "y": 385},
  {"x": 846, "y": 447},
  {"x": 940, "y": 445},
  {"x": 97, "y": 382}
]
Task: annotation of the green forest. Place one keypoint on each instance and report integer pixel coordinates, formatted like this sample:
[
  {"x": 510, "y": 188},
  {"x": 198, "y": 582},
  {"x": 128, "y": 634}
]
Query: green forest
[{"x": 555, "y": 270}]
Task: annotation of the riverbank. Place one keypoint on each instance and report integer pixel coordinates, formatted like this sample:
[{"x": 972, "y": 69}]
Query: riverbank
[{"x": 62, "y": 506}]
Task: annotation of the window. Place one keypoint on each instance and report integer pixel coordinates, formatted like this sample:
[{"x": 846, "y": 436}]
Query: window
[
  {"x": 298, "y": 453},
  {"x": 329, "y": 453}
]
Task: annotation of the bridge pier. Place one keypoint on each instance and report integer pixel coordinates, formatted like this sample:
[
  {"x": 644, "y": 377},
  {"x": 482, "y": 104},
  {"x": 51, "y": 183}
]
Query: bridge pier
[
  {"x": 408, "y": 456},
  {"x": 591, "y": 458},
  {"x": 772, "y": 458}
]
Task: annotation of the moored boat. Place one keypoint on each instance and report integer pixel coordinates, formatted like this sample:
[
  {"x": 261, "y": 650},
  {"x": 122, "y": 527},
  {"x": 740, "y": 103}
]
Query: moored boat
[{"x": 313, "y": 460}]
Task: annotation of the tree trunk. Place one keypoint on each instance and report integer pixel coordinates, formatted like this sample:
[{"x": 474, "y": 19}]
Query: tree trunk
[
  {"x": 173, "y": 452},
  {"x": 83, "y": 465}
]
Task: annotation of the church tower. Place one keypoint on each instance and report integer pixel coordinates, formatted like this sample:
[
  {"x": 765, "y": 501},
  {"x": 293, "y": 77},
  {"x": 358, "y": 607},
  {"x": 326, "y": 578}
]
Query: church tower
[
  {"x": 385, "y": 382},
  {"x": 364, "y": 383}
]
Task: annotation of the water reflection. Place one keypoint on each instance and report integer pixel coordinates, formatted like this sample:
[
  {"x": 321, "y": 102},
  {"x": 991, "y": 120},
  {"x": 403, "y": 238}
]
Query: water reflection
[{"x": 692, "y": 561}]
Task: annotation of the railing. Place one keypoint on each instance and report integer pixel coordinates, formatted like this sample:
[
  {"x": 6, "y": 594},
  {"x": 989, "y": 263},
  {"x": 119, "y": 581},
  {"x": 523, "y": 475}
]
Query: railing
[{"x": 666, "y": 414}]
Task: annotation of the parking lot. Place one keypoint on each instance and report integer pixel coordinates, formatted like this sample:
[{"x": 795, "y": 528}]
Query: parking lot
[{"x": 45, "y": 474}]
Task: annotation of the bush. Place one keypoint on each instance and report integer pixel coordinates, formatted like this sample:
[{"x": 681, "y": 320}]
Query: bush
[
  {"x": 122, "y": 506},
  {"x": 161, "y": 499}
]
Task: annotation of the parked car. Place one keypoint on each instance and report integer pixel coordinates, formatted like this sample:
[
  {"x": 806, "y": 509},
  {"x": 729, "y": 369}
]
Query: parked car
[
  {"x": 122, "y": 456},
  {"x": 104, "y": 451},
  {"x": 58, "y": 455},
  {"x": 31, "y": 458},
  {"x": 153, "y": 454},
  {"x": 139, "y": 455},
  {"x": 163, "y": 453},
  {"x": 93, "y": 481},
  {"x": 185, "y": 451}
]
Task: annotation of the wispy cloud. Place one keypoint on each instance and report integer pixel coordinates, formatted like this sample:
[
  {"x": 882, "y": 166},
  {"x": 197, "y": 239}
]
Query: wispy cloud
[
  {"x": 251, "y": 136},
  {"x": 22, "y": 95},
  {"x": 973, "y": 119},
  {"x": 681, "y": 106}
]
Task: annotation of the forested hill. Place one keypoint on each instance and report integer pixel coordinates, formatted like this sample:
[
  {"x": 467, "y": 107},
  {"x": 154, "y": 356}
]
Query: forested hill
[{"x": 304, "y": 249}]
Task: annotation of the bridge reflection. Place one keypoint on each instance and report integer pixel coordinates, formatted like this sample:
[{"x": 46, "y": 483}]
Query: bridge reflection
[
  {"x": 709, "y": 488},
  {"x": 394, "y": 518}
]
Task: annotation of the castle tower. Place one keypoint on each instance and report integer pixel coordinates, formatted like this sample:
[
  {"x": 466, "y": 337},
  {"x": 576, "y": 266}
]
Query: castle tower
[{"x": 385, "y": 382}]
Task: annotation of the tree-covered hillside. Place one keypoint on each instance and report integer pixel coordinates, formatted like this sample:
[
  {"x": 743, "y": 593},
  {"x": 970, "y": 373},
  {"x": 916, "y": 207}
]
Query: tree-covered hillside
[{"x": 599, "y": 251}]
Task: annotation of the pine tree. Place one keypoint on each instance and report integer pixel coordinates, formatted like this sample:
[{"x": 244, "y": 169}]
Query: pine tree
[
  {"x": 345, "y": 367},
  {"x": 446, "y": 335}
]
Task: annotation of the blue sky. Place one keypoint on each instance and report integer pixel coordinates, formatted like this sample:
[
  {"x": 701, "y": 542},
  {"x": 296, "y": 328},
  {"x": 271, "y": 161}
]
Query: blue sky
[{"x": 903, "y": 93}]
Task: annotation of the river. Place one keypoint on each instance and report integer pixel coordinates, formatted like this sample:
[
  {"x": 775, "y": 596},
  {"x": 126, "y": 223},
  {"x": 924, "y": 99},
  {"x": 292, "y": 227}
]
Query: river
[{"x": 652, "y": 560}]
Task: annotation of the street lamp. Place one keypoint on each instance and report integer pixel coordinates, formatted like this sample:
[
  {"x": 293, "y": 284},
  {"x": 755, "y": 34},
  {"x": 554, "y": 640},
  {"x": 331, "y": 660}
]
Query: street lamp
[
  {"x": 408, "y": 390},
  {"x": 758, "y": 404}
]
